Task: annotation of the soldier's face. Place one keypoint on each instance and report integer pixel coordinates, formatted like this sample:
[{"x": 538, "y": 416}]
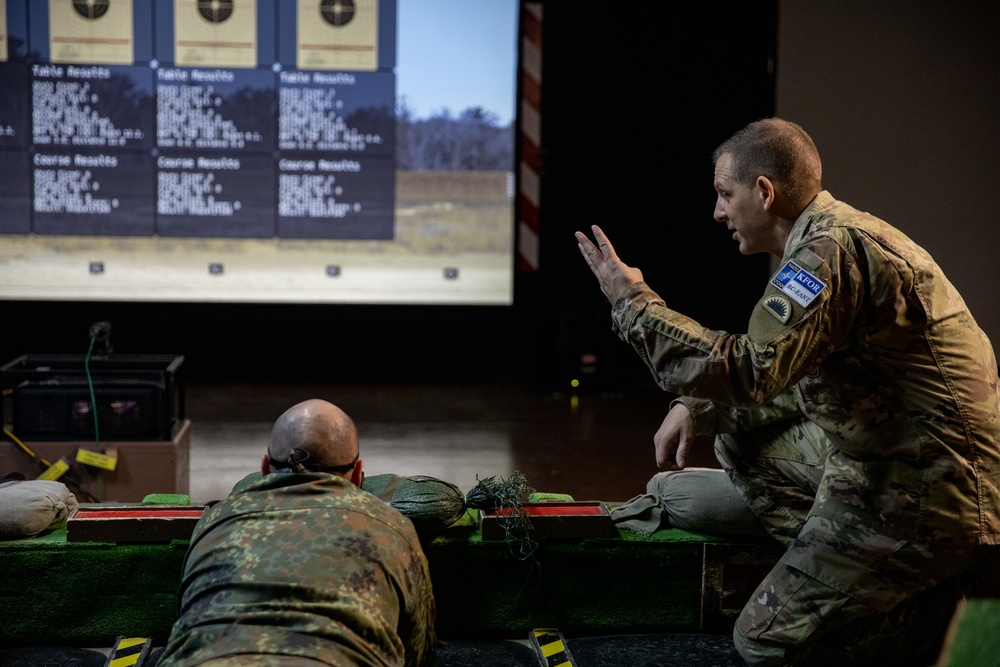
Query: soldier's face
[{"x": 738, "y": 206}]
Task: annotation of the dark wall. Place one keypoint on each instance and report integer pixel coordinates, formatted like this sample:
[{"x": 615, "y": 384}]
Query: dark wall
[
  {"x": 634, "y": 101},
  {"x": 916, "y": 139},
  {"x": 279, "y": 342}
]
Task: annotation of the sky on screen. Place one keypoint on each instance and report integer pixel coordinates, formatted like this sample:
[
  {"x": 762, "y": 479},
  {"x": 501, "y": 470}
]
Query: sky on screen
[{"x": 456, "y": 54}]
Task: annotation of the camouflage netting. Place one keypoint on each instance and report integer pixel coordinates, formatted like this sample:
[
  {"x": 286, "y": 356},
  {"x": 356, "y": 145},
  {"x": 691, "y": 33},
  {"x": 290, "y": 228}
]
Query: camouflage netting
[
  {"x": 433, "y": 505},
  {"x": 506, "y": 498}
]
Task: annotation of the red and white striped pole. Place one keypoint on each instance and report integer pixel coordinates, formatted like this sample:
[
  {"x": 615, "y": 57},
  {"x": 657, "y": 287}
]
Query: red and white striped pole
[{"x": 531, "y": 135}]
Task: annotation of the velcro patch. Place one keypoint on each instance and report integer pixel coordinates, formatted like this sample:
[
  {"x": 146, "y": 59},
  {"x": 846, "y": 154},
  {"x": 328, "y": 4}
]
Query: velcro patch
[
  {"x": 779, "y": 307},
  {"x": 798, "y": 283}
]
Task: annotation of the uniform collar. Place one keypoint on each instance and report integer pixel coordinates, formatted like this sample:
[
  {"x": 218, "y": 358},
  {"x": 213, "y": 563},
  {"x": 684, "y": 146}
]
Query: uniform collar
[{"x": 820, "y": 202}]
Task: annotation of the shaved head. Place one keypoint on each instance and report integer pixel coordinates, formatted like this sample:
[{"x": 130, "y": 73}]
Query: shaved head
[{"x": 322, "y": 432}]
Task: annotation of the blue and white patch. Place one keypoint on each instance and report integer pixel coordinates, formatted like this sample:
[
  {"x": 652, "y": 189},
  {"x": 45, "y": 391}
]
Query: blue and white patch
[
  {"x": 779, "y": 307},
  {"x": 798, "y": 283}
]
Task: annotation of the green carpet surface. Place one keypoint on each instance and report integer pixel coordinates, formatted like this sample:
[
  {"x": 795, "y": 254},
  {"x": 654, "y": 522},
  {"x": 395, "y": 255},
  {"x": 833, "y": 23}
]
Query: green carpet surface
[{"x": 89, "y": 593}]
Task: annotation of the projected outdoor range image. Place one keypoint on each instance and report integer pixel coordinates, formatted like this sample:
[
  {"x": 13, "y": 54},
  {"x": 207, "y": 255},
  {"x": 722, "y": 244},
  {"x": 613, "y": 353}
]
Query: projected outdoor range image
[{"x": 272, "y": 151}]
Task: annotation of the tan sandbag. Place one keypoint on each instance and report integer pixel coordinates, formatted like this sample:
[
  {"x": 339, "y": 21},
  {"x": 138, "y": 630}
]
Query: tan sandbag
[{"x": 27, "y": 507}]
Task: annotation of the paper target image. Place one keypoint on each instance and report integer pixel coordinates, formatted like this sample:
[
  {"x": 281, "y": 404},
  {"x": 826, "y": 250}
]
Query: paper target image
[
  {"x": 337, "y": 35},
  {"x": 91, "y": 31},
  {"x": 215, "y": 33},
  {"x": 337, "y": 12},
  {"x": 215, "y": 11},
  {"x": 91, "y": 9}
]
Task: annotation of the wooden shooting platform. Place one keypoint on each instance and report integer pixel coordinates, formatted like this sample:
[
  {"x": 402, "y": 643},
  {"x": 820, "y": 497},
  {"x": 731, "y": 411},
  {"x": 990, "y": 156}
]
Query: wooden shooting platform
[
  {"x": 132, "y": 523},
  {"x": 552, "y": 520},
  {"x": 144, "y": 466}
]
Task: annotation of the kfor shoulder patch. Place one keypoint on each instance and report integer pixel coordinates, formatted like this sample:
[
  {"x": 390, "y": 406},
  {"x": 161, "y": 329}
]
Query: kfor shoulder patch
[
  {"x": 798, "y": 283},
  {"x": 779, "y": 307}
]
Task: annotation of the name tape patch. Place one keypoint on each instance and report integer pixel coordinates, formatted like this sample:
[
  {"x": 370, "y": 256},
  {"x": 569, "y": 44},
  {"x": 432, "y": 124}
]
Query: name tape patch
[{"x": 798, "y": 283}]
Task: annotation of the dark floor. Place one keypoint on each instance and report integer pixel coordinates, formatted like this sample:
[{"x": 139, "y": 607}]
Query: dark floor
[
  {"x": 610, "y": 651},
  {"x": 590, "y": 446}
]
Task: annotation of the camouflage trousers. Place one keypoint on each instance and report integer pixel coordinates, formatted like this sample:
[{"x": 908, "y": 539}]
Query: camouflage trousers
[{"x": 841, "y": 594}]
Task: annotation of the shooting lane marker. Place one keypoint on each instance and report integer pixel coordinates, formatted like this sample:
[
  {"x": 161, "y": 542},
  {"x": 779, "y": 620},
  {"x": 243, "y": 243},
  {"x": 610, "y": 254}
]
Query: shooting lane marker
[
  {"x": 551, "y": 649},
  {"x": 130, "y": 652}
]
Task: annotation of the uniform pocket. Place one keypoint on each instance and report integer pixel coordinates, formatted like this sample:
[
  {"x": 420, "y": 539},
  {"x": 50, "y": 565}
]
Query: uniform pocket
[{"x": 788, "y": 608}]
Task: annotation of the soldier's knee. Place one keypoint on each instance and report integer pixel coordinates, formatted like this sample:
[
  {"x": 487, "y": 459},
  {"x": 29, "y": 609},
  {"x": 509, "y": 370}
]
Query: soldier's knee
[{"x": 754, "y": 653}]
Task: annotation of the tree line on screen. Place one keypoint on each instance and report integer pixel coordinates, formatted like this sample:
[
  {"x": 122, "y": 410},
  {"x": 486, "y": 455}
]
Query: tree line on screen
[{"x": 472, "y": 140}]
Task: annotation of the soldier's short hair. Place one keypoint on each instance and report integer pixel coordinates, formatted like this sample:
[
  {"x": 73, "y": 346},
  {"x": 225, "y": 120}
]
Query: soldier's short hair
[{"x": 779, "y": 150}]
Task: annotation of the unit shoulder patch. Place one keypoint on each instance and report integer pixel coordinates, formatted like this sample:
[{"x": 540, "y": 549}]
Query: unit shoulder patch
[{"x": 778, "y": 306}]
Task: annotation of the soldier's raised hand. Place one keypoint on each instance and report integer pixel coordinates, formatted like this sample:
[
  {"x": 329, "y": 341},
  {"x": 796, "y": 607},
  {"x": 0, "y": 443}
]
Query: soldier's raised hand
[{"x": 612, "y": 273}]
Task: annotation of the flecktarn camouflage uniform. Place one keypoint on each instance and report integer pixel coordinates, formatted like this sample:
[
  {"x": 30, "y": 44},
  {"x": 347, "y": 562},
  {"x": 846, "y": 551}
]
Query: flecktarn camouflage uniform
[
  {"x": 299, "y": 567},
  {"x": 859, "y": 419}
]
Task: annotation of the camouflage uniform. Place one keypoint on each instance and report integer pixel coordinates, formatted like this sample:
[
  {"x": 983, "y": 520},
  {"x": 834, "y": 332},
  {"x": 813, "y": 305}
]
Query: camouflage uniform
[
  {"x": 303, "y": 569},
  {"x": 862, "y": 426}
]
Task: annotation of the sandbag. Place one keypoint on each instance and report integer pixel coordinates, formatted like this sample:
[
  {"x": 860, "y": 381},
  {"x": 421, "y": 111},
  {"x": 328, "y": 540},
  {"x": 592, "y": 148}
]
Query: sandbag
[
  {"x": 704, "y": 500},
  {"x": 430, "y": 503},
  {"x": 27, "y": 507}
]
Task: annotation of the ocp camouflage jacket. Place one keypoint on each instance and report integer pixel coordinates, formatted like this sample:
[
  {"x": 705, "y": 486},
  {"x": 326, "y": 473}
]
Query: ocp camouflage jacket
[{"x": 860, "y": 332}]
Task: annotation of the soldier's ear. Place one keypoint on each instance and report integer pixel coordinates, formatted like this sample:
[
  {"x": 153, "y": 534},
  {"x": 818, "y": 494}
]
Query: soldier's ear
[
  {"x": 764, "y": 190},
  {"x": 265, "y": 464},
  {"x": 357, "y": 474}
]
